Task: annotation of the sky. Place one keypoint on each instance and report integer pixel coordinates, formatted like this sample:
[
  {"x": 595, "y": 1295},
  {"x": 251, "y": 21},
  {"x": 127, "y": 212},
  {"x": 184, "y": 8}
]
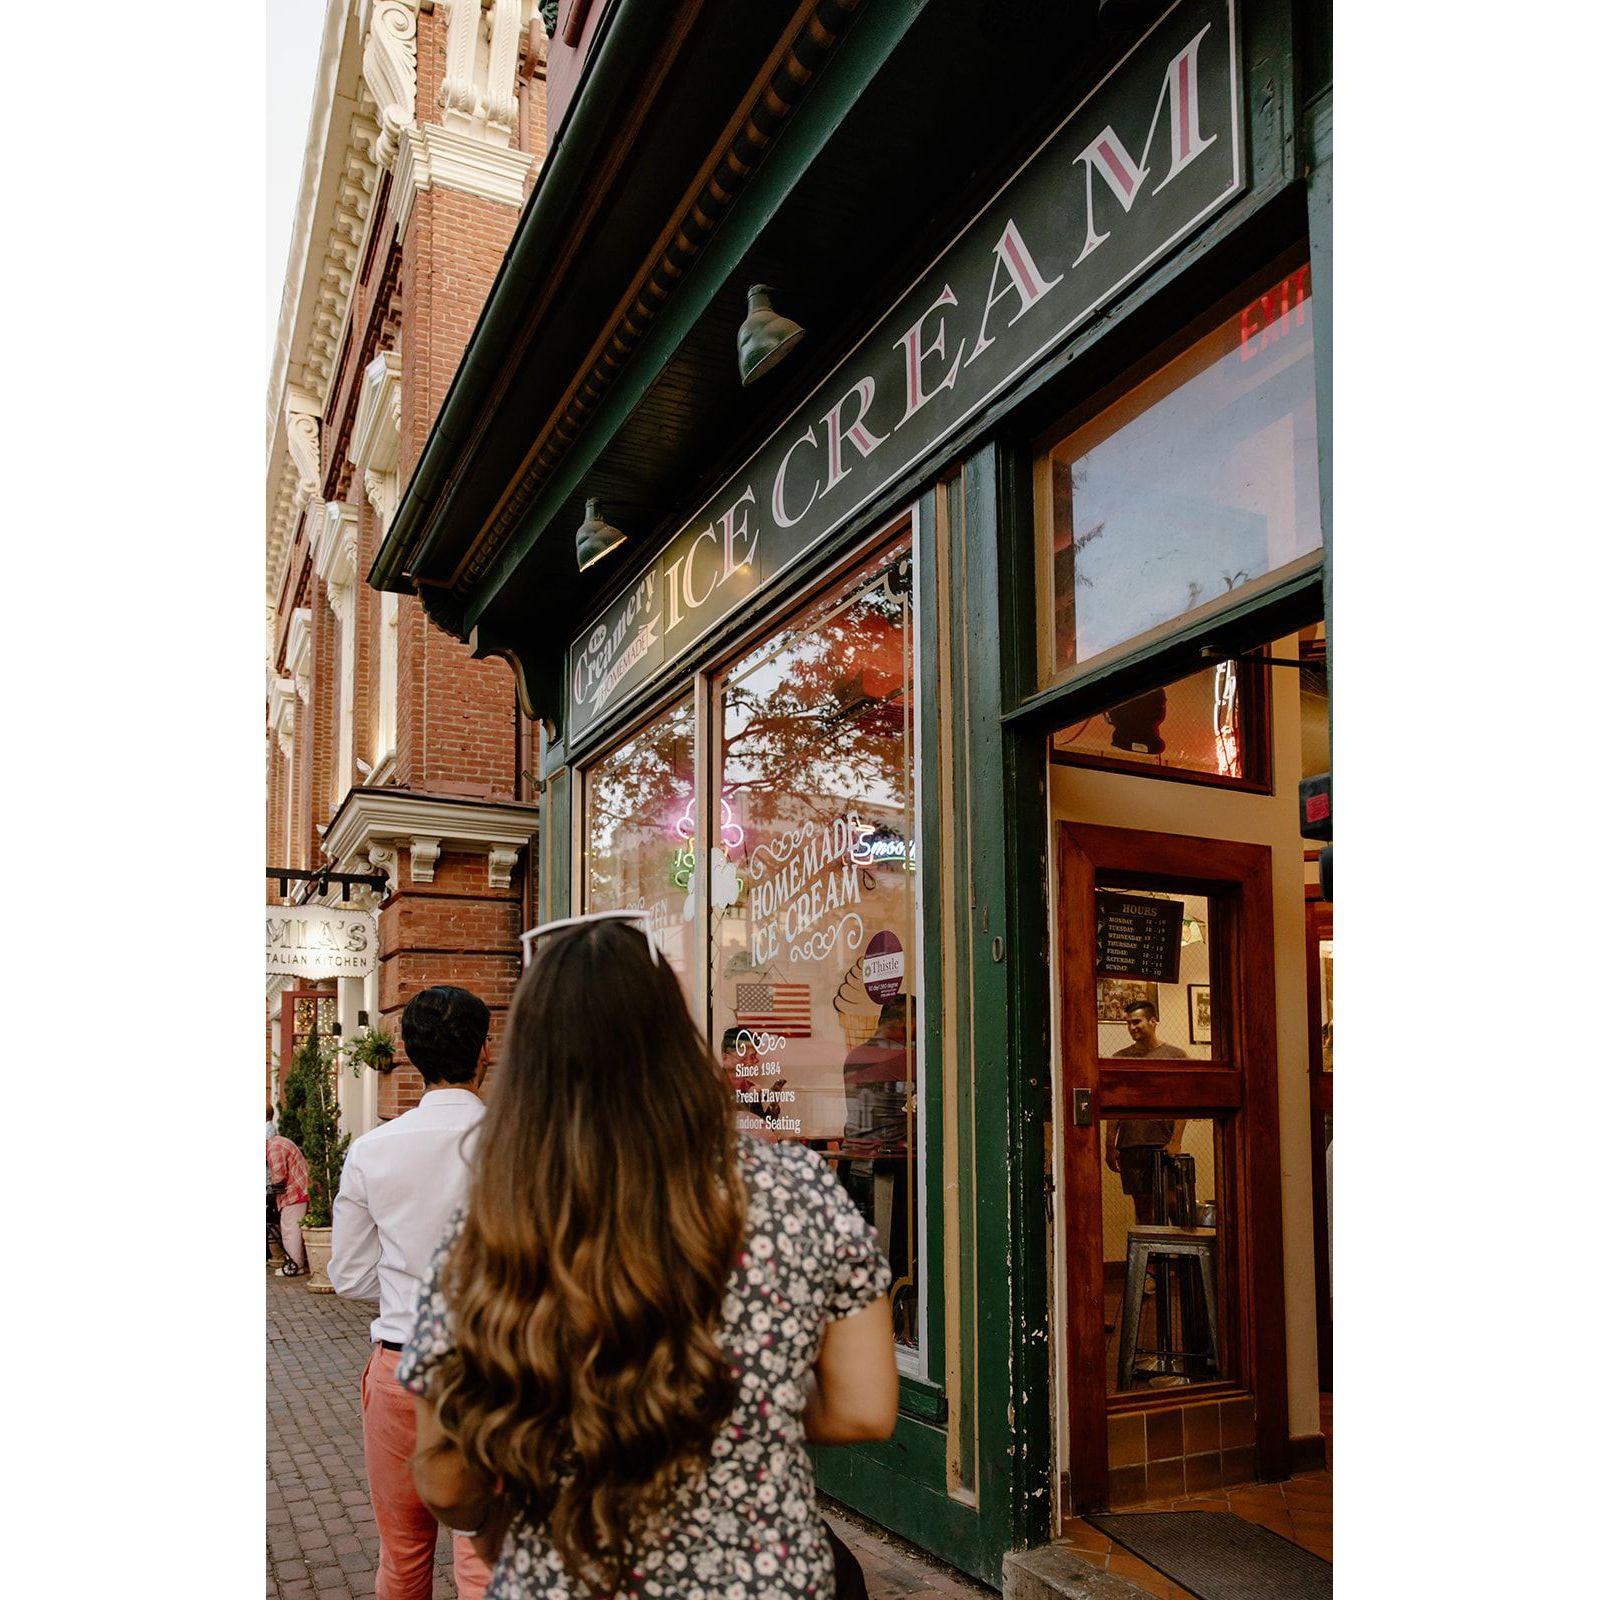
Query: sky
[{"x": 294, "y": 32}]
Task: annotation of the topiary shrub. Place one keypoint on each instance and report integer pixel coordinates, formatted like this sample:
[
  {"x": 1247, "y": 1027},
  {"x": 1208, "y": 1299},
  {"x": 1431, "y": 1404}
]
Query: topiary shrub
[{"x": 310, "y": 1117}]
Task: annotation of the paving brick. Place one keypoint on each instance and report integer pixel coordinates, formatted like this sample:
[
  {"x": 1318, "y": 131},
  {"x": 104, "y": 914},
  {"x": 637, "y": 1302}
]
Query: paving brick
[{"x": 328, "y": 1547}]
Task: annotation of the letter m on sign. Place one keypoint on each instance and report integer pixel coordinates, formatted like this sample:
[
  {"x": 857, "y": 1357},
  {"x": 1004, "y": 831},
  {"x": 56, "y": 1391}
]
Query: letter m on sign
[{"x": 1107, "y": 155}]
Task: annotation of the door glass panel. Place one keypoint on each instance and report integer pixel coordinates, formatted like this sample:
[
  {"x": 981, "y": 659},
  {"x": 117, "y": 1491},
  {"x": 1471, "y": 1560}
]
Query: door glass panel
[
  {"x": 1153, "y": 976},
  {"x": 638, "y": 822},
  {"x": 813, "y": 898},
  {"x": 1188, "y": 492},
  {"x": 1161, "y": 1205}
]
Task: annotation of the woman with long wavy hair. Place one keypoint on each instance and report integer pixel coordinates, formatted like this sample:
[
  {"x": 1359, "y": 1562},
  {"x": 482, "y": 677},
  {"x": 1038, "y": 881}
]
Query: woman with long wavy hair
[{"x": 641, "y": 1316}]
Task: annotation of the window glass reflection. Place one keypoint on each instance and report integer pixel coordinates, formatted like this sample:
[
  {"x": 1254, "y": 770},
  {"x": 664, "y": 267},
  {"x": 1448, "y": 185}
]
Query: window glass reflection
[
  {"x": 639, "y": 822},
  {"x": 813, "y": 904},
  {"x": 1192, "y": 489}
]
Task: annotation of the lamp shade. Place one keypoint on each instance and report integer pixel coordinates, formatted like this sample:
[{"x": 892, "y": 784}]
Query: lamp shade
[
  {"x": 596, "y": 536},
  {"x": 765, "y": 337}
]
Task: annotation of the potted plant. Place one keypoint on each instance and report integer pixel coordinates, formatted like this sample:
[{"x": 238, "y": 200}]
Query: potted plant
[
  {"x": 375, "y": 1048},
  {"x": 310, "y": 1117}
]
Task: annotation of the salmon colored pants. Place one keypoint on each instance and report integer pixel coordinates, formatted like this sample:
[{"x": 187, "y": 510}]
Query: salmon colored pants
[{"x": 407, "y": 1529}]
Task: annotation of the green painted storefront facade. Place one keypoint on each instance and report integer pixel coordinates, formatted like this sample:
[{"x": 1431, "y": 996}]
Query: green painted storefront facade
[{"x": 970, "y": 1472}]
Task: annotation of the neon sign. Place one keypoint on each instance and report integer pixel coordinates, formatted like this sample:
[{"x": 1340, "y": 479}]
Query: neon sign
[{"x": 1266, "y": 320}]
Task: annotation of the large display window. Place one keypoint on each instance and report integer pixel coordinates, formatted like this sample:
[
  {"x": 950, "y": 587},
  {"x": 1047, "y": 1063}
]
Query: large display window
[
  {"x": 796, "y": 926},
  {"x": 638, "y": 833},
  {"x": 1191, "y": 491}
]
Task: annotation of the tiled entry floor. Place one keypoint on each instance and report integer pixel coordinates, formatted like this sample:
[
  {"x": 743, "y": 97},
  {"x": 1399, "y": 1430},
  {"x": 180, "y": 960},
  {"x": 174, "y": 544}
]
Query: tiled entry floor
[{"x": 1301, "y": 1510}]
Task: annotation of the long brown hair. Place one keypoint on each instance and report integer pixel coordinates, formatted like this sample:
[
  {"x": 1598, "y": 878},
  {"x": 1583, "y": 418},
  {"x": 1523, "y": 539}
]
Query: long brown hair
[{"x": 586, "y": 1286}]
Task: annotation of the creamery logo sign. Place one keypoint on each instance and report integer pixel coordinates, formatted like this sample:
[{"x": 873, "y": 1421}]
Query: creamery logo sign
[
  {"x": 321, "y": 942},
  {"x": 1153, "y": 151}
]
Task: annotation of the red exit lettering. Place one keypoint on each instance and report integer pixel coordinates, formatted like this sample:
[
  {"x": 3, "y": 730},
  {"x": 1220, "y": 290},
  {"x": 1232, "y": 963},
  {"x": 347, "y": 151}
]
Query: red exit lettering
[{"x": 1268, "y": 319}]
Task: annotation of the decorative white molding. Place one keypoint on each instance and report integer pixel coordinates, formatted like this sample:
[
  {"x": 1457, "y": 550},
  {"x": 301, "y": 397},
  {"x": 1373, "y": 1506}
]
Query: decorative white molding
[
  {"x": 383, "y": 494},
  {"x": 433, "y": 157},
  {"x": 336, "y": 548},
  {"x": 375, "y": 432},
  {"x": 389, "y": 62},
  {"x": 297, "y": 651},
  {"x": 502, "y": 861},
  {"x": 424, "y": 854},
  {"x": 384, "y": 858},
  {"x": 285, "y": 732},
  {"x": 372, "y": 818},
  {"x": 499, "y": 101},
  {"x": 458, "y": 94},
  {"x": 281, "y": 700},
  {"x": 303, "y": 439}
]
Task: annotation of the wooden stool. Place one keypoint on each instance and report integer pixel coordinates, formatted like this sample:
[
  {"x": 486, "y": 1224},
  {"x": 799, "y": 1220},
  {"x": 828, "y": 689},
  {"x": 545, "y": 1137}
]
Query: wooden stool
[{"x": 1147, "y": 1241}]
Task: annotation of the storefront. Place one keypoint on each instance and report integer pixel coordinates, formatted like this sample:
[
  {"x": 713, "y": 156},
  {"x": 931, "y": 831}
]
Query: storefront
[{"x": 950, "y": 729}]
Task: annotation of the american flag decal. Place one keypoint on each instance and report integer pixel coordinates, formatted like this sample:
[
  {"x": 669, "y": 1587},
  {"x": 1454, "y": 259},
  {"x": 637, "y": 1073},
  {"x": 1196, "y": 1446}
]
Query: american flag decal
[{"x": 783, "y": 1008}]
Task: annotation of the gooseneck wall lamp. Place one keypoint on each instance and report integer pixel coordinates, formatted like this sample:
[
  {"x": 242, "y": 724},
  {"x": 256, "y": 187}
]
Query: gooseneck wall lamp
[
  {"x": 596, "y": 537},
  {"x": 765, "y": 337}
]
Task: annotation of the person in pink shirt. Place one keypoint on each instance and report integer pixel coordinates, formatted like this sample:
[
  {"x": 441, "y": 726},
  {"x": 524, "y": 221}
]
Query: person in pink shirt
[{"x": 287, "y": 1174}]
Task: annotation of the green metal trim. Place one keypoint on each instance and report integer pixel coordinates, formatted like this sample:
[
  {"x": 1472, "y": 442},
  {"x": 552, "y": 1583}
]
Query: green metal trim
[
  {"x": 930, "y": 1031},
  {"x": 924, "y": 1401},
  {"x": 1319, "y": 218},
  {"x": 555, "y": 846},
  {"x": 1277, "y": 611},
  {"x": 865, "y": 49}
]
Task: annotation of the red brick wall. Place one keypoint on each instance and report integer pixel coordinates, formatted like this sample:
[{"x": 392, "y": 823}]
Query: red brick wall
[{"x": 454, "y": 930}]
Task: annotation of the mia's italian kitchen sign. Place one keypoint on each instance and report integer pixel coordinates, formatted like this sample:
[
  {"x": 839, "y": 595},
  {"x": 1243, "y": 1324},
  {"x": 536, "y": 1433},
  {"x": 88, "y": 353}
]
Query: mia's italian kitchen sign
[
  {"x": 1153, "y": 151},
  {"x": 321, "y": 942}
]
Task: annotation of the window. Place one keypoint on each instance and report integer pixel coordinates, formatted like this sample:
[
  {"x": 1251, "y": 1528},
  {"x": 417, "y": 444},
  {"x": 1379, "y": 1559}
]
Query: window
[
  {"x": 1210, "y": 727},
  {"x": 638, "y": 830},
  {"x": 804, "y": 950},
  {"x": 813, "y": 931},
  {"x": 1194, "y": 489}
]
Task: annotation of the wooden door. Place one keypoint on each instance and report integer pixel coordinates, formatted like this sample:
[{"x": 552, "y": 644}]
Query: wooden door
[{"x": 1219, "y": 1090}]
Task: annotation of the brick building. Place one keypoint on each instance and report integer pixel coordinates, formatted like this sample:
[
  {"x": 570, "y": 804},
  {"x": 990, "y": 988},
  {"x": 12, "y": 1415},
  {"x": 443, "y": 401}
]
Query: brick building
[{"x": 391, "y": 749}]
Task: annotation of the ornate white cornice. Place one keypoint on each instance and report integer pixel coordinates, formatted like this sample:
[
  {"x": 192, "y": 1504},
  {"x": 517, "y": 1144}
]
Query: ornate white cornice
[
  {"x": 297, "y": 651},
  {"x": 389, "y": 61},
  {"x": 383, "y": 492},
  {"x": 425, "y": 826},
  {"x": 280, "y": 704},
  {"x": 375, "y": 432},
  {"x": 434, "y": 157},
  {"x": 336, "y": 549}
]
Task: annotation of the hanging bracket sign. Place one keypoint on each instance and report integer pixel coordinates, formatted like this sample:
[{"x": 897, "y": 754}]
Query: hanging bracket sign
[
  {"x": 1152, "y": 151},
  {"x": 321, "y": 942},
  {"x": 1136, "y": 936}
]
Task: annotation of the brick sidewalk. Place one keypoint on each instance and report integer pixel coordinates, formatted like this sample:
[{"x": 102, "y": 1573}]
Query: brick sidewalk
[{"x": 321, "y": 1539}]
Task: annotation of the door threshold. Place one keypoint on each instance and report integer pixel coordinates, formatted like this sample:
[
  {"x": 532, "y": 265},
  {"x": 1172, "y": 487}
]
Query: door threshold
[{"x": 1059, "y": 1572}]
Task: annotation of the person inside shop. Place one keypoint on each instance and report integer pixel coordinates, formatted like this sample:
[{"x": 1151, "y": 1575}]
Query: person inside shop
[
  {"x": 611, "y": 1395},
  {"x": 402, "y": 1180},
  {"x": 1136, "y": 1144},
  {"x": 288, "y": 1181}
]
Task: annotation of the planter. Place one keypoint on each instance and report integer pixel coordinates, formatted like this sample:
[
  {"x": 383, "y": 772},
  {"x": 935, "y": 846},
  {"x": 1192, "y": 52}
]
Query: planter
[{"x": 319, "y": 1247}]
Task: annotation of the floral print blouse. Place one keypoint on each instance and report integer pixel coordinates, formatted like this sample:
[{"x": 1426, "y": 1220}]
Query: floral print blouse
[{"x": 748, "y": 1529}]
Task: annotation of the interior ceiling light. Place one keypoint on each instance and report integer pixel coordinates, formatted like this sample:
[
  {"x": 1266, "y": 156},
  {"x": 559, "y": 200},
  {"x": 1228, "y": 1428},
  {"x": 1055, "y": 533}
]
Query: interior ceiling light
[
  {"x": 596, "y": 536},
  {"x": 765, "y": 337}
]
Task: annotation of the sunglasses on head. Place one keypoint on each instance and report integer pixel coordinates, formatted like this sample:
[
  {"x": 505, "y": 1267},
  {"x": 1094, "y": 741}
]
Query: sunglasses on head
[{"x": 637, "y": 917}]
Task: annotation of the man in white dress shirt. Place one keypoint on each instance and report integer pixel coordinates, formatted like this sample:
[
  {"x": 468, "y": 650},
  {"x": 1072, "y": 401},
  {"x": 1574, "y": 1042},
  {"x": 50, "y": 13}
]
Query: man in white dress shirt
[{"x": 402, "y": 1180}]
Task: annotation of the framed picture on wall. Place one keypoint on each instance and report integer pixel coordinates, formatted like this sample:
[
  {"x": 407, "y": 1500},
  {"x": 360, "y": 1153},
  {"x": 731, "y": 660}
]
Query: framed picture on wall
[
  {"x": 1199, "y": 1013},
  {"x": 1113, "y": 994}
]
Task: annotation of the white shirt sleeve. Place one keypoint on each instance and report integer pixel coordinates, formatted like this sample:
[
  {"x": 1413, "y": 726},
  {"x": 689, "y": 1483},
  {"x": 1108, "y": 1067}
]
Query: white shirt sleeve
[{"x": 353, "y": 1267}]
